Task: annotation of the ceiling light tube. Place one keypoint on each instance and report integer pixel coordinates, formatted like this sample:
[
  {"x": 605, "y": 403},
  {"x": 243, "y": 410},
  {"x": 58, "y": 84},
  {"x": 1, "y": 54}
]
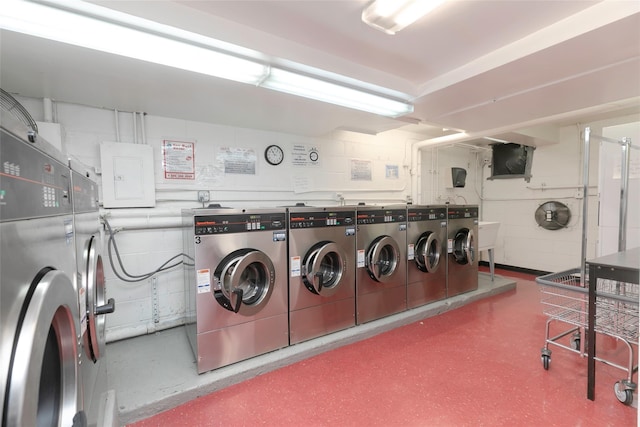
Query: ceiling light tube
[
  {"x": 95, "y": 27},
  {"x": 60, "y": 25},
  {"x": 392, "y": 16},
  {"x": 313, "y": 88}
]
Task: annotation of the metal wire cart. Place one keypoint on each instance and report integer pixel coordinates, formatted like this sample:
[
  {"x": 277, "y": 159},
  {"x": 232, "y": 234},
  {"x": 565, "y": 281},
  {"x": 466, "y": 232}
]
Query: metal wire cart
[
  {"x": 601, "y": 298},
  {"x": 564, "y": 299}
]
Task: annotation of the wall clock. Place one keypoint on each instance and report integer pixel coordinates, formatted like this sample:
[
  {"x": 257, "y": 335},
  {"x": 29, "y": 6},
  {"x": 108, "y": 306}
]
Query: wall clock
[{"x": 274, "y": 155}]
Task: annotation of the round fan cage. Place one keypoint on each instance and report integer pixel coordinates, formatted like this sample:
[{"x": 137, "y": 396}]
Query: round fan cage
[{"x": 553, "y": 215}]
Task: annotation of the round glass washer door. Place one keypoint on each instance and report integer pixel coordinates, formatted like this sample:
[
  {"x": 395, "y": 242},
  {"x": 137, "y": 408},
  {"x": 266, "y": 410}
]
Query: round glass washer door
[
  {"x": 244, "y": 281},
  {"x": 382, "y": 258},
  {"x": 428, "y": 250},
  {"x": 97, "y": 305},
  {"x": 323, "y": 268},
  {"x": 43, "y": 386},
  {"x": 464, "y": 247}
]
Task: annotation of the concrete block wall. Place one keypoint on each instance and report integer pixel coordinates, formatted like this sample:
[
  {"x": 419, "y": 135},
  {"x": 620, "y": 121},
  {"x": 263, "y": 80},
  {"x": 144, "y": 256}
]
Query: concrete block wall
[{"x": 147, "y": 237}]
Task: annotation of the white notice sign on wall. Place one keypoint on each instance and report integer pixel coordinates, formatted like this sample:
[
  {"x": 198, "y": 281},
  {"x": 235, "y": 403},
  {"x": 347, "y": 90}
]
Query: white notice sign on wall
[{"x": 178, "y": 160}]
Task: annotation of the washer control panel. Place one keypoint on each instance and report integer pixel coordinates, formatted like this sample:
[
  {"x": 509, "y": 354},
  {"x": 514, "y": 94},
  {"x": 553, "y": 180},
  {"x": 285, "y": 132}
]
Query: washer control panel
[
  {"x": 299, "y": 220},
  {"x": 239, "y": 223},
  {"x": 426, "y": 214},
  {"x": 462, "y": 212},
  {"x": 382, "y": 216}
]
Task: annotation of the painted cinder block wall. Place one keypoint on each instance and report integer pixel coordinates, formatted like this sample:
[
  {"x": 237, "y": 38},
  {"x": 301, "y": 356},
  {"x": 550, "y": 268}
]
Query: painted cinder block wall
[{"x": 150, "y": 236}]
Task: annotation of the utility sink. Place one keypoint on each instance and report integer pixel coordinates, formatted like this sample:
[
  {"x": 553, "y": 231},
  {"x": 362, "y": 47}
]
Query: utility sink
[{"x": 487, "y": 234}]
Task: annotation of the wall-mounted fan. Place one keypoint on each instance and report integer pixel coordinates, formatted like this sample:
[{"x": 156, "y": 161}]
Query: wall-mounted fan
[{"x": 553, "y": 215}]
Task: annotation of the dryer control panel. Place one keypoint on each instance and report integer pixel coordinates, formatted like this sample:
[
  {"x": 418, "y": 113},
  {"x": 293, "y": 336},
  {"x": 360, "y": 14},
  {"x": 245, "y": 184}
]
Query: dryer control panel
[
  {"x": 426, "y": 214},
  {"x": 239, "y": 223},
  {"x": 299, "y": 220},
  {"x": 382, "y": 216},
  {"x": 32, "y": 183}
]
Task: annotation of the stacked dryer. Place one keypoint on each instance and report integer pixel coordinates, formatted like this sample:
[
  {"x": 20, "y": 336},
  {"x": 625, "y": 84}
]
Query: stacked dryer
[
  {"x": 381, "y": 244},
  {"x": 426, "y": 254},
  {"x": 93, "y": 303},
  {"x": 39, "y": 321},
  {"x": 322, "y": 246},
  {"x": 236, "y": 278},
  {"x": 462, "y": 264}
]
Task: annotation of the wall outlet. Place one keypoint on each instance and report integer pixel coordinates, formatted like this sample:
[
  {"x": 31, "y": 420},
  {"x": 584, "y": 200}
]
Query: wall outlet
[{"x": 203, "y": 196}]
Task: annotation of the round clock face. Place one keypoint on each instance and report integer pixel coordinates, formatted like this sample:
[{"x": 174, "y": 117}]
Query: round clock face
[{"x": 274, "y": 155}]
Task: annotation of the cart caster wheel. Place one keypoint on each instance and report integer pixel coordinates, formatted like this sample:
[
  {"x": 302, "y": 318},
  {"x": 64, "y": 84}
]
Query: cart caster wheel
[
  {"x": 623, "y": 394},
  {"x": 545, "y": 361}
]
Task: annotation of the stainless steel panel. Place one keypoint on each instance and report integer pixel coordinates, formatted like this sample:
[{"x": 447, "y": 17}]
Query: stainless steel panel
[
  {"x": 427, "y": 286},
  {"x": 462, "y": 278},
  {"x": 321, "y": 319},
  {"x": 224, "y": 346},
  {"x": 92, "y": 295},
  {"x": 217, "y": 335},
  {"x": 312, "y": 314},
  {"x": 38, "y": 300},
  {"x": 376, "y": 299}
]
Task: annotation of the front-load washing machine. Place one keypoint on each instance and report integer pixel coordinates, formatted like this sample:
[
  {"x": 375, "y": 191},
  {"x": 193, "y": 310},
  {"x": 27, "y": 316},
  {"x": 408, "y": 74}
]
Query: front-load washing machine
[
  {"x": 426, "y": 254},
  {"x": 39, "y": 372},
  {"x": 94, "y": 306},
  {"x": 381, "y": 254},
  {"x": 236, "y": 278},
  {"x": 462, "y": 263},
  {"x": 322, "y": 246}
]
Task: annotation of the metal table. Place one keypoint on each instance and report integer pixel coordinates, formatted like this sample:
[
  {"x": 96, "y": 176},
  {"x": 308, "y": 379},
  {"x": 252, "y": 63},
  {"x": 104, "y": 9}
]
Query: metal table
[{"x": 622, "y": 266}]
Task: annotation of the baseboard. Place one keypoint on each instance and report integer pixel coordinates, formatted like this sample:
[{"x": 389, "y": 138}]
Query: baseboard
[{"x": 516, "y": 269}]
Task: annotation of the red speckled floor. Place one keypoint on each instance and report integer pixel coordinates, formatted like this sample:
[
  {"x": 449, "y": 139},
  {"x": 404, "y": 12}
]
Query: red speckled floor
[{"x": 473, "y": 366}]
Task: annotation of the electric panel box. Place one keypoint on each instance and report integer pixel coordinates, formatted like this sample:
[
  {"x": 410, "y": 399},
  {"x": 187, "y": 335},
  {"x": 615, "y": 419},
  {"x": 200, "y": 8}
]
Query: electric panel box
[{"x": 127, "y": 175}]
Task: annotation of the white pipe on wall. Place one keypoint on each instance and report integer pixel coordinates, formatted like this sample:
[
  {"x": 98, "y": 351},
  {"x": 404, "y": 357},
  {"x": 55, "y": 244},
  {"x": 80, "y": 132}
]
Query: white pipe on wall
[
  {"x": 135, "y": 127},
  {"x": 47, "y": 106},
  {"x": 117, "y": 122},
  {"x": 144, "y": 132}
]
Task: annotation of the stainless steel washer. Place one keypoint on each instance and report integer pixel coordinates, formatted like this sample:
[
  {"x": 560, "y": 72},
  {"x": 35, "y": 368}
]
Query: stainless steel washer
[
  {"x": 236, "y": 284},
  {"x": 381, "y": 277},
  {"x": 39, "y": 372},
  {"x": 322, "y": 245},
  {"x": 426, "y": 254},
  {"x": 89, "y": 275},
  {"x": 462, "y": 263}
]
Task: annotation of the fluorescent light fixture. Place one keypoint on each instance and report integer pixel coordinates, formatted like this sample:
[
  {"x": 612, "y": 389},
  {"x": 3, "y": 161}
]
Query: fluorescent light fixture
[
  {"x": 310, "y": 87},
  {"x": 392, "y": 16},
  {"x": 56, "y": 24},
  {"x": 91, "y": 26}
]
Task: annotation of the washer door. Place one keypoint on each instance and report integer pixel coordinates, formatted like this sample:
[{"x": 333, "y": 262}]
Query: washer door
[
  {"x": 42, "y": 386},
  {"x": 427, "y": 252},
  {"x": 382, "y": 258},
  {"x": 244, "y": 281},
  {"x": 97, "y": 306},
  {"x": 464, "y": 246},
  {"x": 323, "y": 267}
]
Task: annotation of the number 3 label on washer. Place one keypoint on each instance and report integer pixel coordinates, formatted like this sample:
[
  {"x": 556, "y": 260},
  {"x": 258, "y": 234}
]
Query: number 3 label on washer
[{"x": 204, "y": 281}]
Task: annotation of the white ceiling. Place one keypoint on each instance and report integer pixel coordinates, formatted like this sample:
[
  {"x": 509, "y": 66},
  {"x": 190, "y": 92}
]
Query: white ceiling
[{"x": 481, "y": 66}]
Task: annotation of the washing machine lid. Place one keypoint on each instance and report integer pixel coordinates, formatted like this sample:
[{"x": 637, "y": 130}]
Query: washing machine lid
[
  {"x": 323, "y": 268},
  {"x": 42, "y": 385},
  {"x": 464, "y": 246},
  {"x": 244, "y": 280},
  {"x": 382, "y": 258},
  {"x": 428, "y": 251}
]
